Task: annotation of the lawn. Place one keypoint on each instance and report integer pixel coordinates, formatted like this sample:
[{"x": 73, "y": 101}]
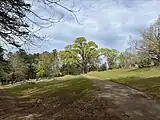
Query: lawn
[
  {"x": 146, "y": 80},
  {"x": 76, "y": 86},
  {"x": 73, "y": 98}
]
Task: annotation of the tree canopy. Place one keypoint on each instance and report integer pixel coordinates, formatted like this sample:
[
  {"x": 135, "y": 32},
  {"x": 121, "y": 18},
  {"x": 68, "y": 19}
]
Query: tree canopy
[{"x": 81, "y": 53}]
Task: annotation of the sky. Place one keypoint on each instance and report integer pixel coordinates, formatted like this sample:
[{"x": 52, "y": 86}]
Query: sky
[{"x": 109, "y": 23}]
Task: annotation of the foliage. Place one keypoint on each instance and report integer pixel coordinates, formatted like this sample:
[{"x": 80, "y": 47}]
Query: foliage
[
  {"x": 12, "y": 20},
  {"x": 3, "y": 67},
  {"x": 50, "y": 63},
  {"x": 147, "y": 48},
  {"x": 40, "y": 73},
  {"x": 16, "y": 18},
  {"x": 80, "y": 54},
  {"x": 80, "y": 57},
  {"x": 112, "y": 56},
  {"x": 121, "y": 59},
  {"x": 18, "y": 67}
]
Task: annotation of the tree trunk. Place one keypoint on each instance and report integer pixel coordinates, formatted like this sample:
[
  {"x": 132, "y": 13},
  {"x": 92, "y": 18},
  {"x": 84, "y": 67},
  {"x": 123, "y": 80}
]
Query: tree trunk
[{"x": 85, "y": 68}]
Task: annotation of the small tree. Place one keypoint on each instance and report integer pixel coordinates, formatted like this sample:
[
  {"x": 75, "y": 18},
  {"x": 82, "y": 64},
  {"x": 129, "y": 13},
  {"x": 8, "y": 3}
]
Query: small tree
[{"x": 40, "y": 73}]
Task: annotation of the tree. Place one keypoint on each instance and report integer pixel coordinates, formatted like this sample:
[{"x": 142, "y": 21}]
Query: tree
[
  {"x": 121, "y": 58},
  {"x": 16, "y": 17},
  {"x": 111, "y": 55},
  {"x": 40, "y": 71},
  {"x": 49, "y": 62},
  {"x": 149, "y": 44},
  {"x": 18, "y": 67},
  {"x": 69, "y": 63},
  {"x": 81, "y": 53},
  {"x": 3, "y": 67},
  {"x": 12, "y": 20}
]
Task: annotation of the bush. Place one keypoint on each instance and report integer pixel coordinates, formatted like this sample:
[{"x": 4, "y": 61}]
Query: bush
[{"x": 40, "y": 73}]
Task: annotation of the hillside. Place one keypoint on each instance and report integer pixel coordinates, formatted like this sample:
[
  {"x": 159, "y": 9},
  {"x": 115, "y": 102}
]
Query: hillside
[
  {"x": 146, "y": 80},
  {"x": 79, "y": 98}
]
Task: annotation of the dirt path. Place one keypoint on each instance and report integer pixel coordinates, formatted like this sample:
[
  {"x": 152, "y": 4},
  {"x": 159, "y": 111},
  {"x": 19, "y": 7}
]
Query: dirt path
[{"x": 135, "y": 104}]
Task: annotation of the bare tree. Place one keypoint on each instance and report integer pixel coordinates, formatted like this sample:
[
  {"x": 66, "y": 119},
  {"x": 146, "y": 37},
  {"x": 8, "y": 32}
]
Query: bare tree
[{"x": 149, "y": 44}]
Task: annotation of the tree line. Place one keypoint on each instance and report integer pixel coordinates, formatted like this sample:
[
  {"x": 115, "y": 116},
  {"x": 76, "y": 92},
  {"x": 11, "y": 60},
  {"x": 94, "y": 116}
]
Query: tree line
[{"x": 80, "y": 57}]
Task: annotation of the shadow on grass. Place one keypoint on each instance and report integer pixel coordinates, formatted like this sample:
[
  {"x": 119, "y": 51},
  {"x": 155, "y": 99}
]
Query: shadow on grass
[
  {"x": 59, "y": 100},
  {"x": 151, "y": 85},
  {"x": 76, "y": 84},
  {"x": 46, "y": 97}
]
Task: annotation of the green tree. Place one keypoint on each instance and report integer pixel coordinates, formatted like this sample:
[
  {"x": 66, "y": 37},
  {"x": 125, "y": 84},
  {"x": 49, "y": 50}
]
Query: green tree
[
  {"x": 69, "y": 63},
  {"x": 81, "y": 53},
  {"x": 49, "y": 61},
  {"x": 3, "y": 67},
  {"x": 32, "y": 65},
  {"x": 18, "y": 67},
  {"x": 40, "y": 71},
  {"x": 112, "y": 56},
  {"x": 121, "y": 59}
]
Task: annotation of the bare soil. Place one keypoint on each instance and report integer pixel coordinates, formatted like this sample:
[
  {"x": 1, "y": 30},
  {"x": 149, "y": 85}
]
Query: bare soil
[{"x": 135, "y": 104}]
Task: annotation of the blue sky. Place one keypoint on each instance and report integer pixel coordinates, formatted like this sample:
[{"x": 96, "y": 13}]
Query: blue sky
[{"x": 107, "y": 22}]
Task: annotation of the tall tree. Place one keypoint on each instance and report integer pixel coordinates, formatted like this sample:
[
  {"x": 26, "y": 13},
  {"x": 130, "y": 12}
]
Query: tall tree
[
  {"x": 69, "y": 63},
  {"x": 121, "y": 58},
  {"x": 3, "y": 67},
  {"x": 18, "y": 67},
  {"x": 82, "y": 52},
  {"x": 49, "y": 62},
  {"x": 32, "y": 65},
  {"x": 149, "y": 44}
]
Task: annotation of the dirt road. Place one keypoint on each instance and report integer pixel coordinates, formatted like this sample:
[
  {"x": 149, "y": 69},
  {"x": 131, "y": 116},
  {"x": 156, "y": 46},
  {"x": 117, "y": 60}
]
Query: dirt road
[{"x": 135, "y": 104}]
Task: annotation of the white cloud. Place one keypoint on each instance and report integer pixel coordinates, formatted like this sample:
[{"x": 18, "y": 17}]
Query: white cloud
[{"x": 109, "y": 24}]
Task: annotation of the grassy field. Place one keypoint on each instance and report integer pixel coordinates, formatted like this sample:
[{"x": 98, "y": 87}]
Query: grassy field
[
  {"x": 146, "y": 80},
  {"x": 73, "y": 98},
  {"x": 71, "y": 86}
]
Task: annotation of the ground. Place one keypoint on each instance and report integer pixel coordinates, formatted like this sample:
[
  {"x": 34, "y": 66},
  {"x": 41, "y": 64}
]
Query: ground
[
  {"x": 82, "y": 98},
  {"x": 136, "y": 105},
  {"x": 145, "y": 80}
]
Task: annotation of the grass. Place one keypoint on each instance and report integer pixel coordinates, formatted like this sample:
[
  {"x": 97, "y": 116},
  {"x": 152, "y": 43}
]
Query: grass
[
  {"x": 70, "y": 99},
  {"x": 70, "y": 86},
  {"x": 146, "y": 80}
]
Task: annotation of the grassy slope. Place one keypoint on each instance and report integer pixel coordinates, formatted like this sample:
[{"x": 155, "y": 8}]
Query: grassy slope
[
  {"x": 146, "y": 80},
  {"x": 69, "y": 99},
  {"x": 71, "y": 86}
]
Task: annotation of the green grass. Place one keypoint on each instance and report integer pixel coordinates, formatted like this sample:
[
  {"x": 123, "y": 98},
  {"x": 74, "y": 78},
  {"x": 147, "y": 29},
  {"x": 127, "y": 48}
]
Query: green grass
[
  {"x": 146, "y": 80},
  {"x": 71, "y": 86}
]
